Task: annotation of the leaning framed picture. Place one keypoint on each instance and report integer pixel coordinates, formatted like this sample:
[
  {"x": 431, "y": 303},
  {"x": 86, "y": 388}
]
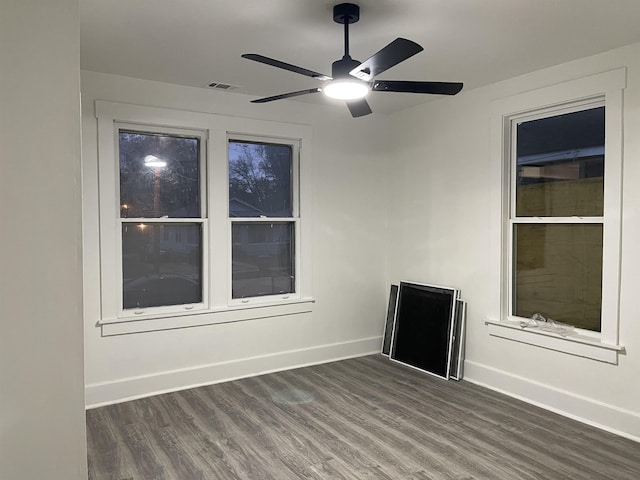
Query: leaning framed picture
[{"x": 423, "y": 328}]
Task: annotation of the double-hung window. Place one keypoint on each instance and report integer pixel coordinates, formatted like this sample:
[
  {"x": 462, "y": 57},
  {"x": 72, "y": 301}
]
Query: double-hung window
[
  {"x": 263, "y": 215},
  {"x": 557, "y": 216},
  {"x": 200, "y": 219},
  {"x": 162, "y": 218}
]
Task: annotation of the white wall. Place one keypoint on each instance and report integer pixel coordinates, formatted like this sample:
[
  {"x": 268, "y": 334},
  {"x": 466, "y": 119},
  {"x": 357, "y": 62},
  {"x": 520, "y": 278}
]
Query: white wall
[
  {"x": 349, "y": 205},
  {"x": 439, "y": 217},
  {"x": 42, "y": 433}
]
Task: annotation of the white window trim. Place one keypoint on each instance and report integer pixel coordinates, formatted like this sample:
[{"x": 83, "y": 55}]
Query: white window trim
[
  {"x": 579, "y": 345},
  {"x": 217, "y": 129},
  {"x": 609, "y": 86}
]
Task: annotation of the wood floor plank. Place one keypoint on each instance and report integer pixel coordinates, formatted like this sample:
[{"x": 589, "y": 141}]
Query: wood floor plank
[{"x": 359, "y": 419}]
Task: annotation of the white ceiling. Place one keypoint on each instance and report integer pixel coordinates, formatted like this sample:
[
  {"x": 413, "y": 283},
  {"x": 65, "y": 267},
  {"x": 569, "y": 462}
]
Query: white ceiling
[{"x": 194, "y": 42}]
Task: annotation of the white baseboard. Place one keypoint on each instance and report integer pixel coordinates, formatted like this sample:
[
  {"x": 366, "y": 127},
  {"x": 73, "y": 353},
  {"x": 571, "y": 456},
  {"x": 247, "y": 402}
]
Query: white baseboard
[
  {"x": 592, "y": 412},
  {"x": 122, "y": 390}
]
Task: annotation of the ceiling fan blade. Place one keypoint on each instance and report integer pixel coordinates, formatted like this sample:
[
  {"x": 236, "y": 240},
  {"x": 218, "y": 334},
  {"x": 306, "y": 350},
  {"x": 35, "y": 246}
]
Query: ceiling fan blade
[
  {"x": 359, "y": 108},
  {"x": 437, "y": 88},
  {"x": 286, "y": 66},
  {"x": 394, "y": 53},
  {"x": 286, "y": 95}
]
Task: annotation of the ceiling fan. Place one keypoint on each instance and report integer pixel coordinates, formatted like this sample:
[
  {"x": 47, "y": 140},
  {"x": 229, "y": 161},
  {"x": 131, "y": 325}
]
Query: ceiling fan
[{"x": 352, "y": 80}]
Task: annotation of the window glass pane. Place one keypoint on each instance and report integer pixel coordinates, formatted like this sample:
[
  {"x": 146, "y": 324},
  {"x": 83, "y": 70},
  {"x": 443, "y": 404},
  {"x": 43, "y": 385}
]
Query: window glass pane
[
  {"x": 159, "y": 175},
  {"x": 262, "y": 259},
  {"x": 558, "y": 273},
  {"x": 161, "y": 264},
  {"x": 260, "y": 179},
  {"x": 560, "y": 165}
]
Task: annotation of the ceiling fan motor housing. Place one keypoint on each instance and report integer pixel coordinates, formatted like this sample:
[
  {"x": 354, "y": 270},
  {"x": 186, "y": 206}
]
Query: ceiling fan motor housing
[{"x": 341, "y": 68}]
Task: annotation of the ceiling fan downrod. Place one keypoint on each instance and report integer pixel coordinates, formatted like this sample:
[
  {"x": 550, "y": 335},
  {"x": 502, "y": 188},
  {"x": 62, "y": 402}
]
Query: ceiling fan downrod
[{"x": 345, "y": 14}]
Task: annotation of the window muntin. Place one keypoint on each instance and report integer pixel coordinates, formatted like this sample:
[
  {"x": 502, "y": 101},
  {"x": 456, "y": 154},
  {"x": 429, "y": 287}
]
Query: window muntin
[
  {"x": 556, "y": 222},
  {"x": 263, "y": 217},
  {"x": 161, "y": 214}
]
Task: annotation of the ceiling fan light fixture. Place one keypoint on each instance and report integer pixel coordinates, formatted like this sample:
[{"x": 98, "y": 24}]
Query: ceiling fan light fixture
[
  {"x": 346, "y": 89},
  {"x": 352, "y": 80}
]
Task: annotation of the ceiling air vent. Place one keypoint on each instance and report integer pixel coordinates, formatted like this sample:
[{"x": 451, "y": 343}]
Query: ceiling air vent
[{"x": 222, "y": 86}]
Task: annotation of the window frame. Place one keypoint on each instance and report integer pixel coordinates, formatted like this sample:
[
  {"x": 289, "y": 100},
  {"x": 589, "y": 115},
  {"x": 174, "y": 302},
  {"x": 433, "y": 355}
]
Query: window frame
[
  {"x": 202, "y": 220},
  {"x": 513, "y": 219},
  {"x": 608, "y": 86},
  {"x": 216, "y": 228},
  {"x": 294, "y": 219}
]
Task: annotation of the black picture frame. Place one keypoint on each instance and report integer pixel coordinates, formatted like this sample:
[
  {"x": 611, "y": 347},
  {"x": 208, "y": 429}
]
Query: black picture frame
[{"x": 423, "y": 328}]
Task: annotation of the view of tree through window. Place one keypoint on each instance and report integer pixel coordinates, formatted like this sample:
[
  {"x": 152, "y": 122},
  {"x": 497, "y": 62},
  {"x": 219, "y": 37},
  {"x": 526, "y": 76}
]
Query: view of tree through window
[
  {"x": 260, "y": 179},
  {"x": 261, "y": 185}
]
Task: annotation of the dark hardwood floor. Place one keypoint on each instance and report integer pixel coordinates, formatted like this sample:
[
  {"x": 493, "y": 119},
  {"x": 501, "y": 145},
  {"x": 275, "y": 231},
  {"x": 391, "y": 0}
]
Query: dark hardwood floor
[{"x": 365, "y": 418}]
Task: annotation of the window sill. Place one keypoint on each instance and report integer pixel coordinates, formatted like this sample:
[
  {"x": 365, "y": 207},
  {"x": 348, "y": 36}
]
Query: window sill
[
  {"x": 579, "y": 345},
  {"x": 123, "y": 326}
]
